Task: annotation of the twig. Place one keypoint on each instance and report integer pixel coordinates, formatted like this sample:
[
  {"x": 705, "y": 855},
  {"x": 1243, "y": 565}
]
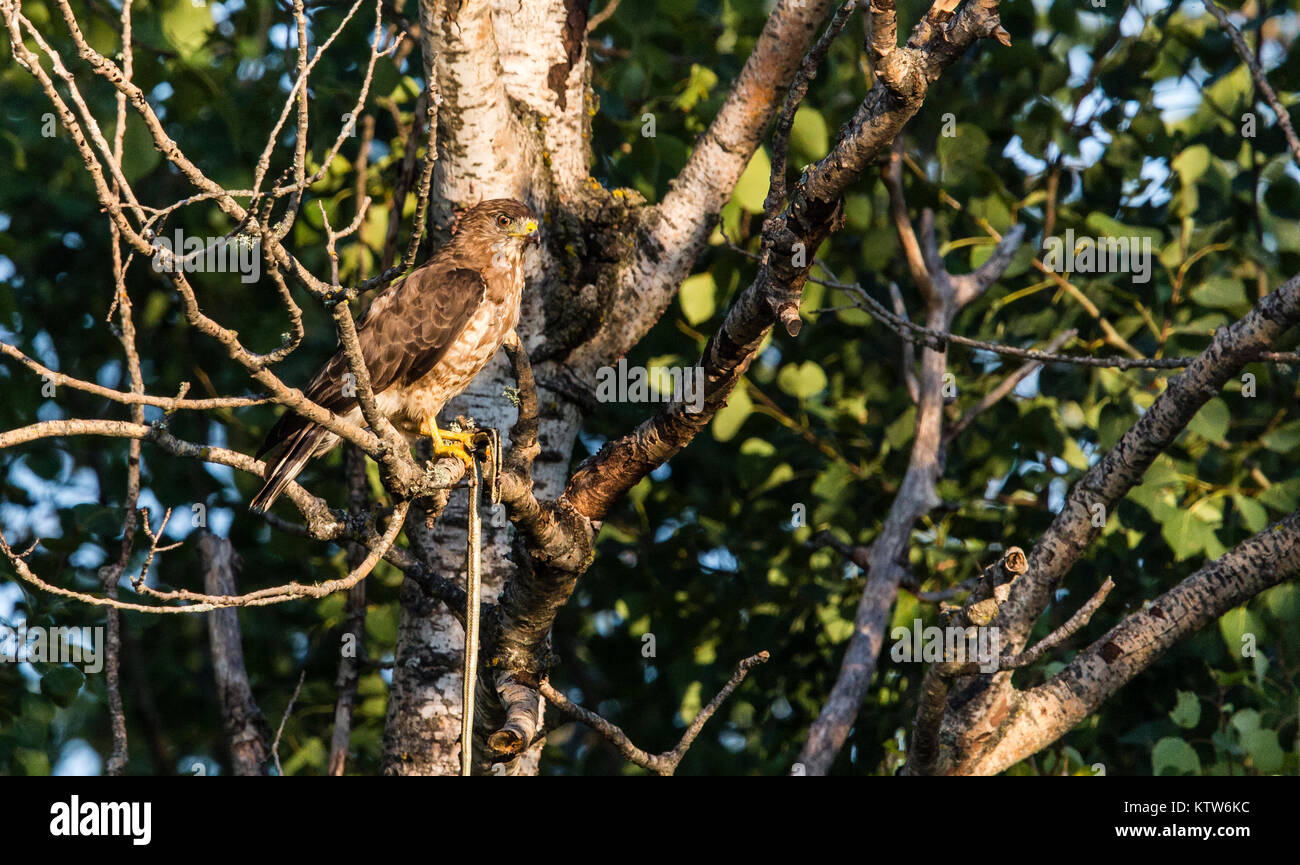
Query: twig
[
  {"x": 665, "y": 763},
  {"x": 1080, "y": 618},
  {"x": 932, "y": 338},
  {"x": 167, "y": 404},
  {"x": 908, "y": 347},
  {"x": 602, "y": 16},
  {"x": 861, "y": 557},
  {"x": 202, "y": 603},
  {"x": 288, "y": 710},
  {"x": 1005, "y": 387},
  {"x": 433, "y": 98},
  {"x": 935, "y": 338},
  {"x": 1283, "y": 116},
  {"x": 798, "y": 90}
]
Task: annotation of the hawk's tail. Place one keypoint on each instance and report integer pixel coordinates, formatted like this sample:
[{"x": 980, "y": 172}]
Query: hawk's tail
[{"x": 299, "y": 447}]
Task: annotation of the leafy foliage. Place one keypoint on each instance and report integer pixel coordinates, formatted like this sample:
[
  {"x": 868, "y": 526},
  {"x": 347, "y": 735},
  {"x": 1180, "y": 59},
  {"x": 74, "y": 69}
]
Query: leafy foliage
[{"x": 1137, "y": 110}]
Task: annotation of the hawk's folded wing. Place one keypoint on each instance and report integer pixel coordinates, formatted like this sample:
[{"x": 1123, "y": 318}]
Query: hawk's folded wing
[{"x": 403, "y": 335}]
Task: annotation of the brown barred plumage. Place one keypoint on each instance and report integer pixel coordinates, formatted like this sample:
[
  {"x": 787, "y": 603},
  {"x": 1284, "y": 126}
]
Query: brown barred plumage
[{"x": 424, "y": 339}]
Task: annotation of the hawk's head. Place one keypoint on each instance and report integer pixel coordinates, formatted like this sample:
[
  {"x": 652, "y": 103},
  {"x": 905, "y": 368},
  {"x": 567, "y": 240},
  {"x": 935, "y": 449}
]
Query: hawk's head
[{"x": 500, "y": 220}]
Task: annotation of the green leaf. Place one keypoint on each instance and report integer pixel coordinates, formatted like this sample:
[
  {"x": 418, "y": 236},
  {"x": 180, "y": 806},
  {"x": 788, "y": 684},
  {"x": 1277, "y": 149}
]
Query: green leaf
[
  {"x": 1253, "y": 515},
  {"x": 698, "y": 298},
  {"x": 964, "y": 151},
  {"x": 1191, "y": 163},
  {"x": 1212, "y": 421},
  {"x": 1283, "y": 496},
  {"x": 751, "y": 188},
  {"x": 781, "y": 474},
  {"x": 1283, "y": 439},
  {"x": 1072, "y": 415},
  {"x": 187, "y": 26},
  {"x": 374, "y": 230},
  {"x": 33, "y": 763},
  {"x": 1103, "y": 224},
  {"x": 62, "y": 684},
  {"x": 1220, "y": 292},
  {"x": 381, "y": 625},
  {"x": 1231, "y": 93},
  {"x": 833, "y": 482},
  {"x": 1186, "y": 535},
  {"x": 727, "y": 422},
  {"x": 1187, "y": 714},
  {"x": 1264, "y": 750},
  {"x": 1283, "y": 601},
  {"x": 1246, "y": 721},
  {"x": 857, "y": 212},
  {"x": 311, "y": 754},
  {"x": 697, "y": 87},
  {"x": 900, "y": 430},
  {"x": 809, "y": 135},
  {"x": 691, "y": 704},
  {"x": 802, "y": 380},
  {"x": 1173, "y": 756},
  {"x": 1235, "y": 624},
  {"x": 1074, "y": 455},
  {"x": 138, "y": 154}
]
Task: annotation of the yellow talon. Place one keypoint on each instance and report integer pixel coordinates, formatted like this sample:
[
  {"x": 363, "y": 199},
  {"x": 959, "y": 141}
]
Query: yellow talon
[{"x": 441, "y": 448}]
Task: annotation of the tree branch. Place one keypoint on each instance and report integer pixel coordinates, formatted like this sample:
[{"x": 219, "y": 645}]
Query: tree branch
[
  {"x": 788, "y": 243},
  {"x": 661, "y": 764},
  {"x": 673, "y": 233},
  {"x": 1257, "y": 73},
  {"x": 1045, "y": 713},
  {"x": 247, "y": 733}
]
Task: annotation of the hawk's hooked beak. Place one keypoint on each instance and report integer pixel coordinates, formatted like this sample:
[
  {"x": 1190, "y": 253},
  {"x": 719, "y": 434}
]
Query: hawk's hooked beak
[{"x": 527, "y": 230}]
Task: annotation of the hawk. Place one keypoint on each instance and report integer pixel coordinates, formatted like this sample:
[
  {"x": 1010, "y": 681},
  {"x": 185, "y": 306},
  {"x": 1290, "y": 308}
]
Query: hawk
[{"x": 423, "y": 339}]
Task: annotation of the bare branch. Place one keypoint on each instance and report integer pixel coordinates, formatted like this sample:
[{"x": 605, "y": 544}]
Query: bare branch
[
  {"x": 247, "y": 733},
  {"x": 1247, "y": 57},
  {"x": 798, "y": 90},
  {"x": 288, "y": 710},
  {"x": 812, "y": 215},
  {"x": 1111, "y": 477},
  {"x": 1043, "y": 714},
  {"x": 603, "y": 15},
  {"x": 674, "y": 232},
  {"x": 917, "y": 263},
  {"x": 667, "y": 762},
  {"x": 932, "y": 338},
  {"x": 1081, "y": 617},
  {"x": 432, "y": 99},
  {"x": 916, "y": 496},
  {"x": 1007, "y": 385},
  {"x": 908, "y": 359},
  {"x": 204, "y": 602}
]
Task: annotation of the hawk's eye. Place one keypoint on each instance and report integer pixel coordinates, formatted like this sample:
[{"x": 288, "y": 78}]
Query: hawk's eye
[{"x": 503, "y": 221}]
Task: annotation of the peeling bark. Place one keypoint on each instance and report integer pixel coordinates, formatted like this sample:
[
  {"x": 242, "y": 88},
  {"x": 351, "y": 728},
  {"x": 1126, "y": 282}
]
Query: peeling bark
[{"x": 500, "y": 134}]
